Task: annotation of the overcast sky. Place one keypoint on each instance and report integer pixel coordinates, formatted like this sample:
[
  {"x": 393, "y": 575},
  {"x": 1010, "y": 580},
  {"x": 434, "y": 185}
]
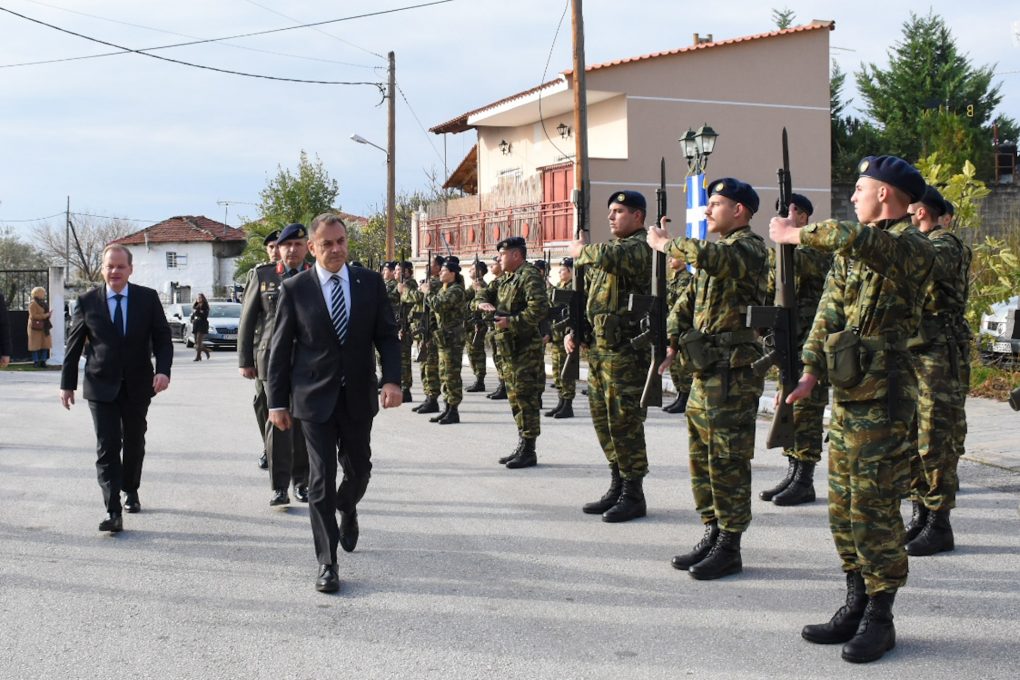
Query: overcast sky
[{"x": 139, "y": 138}]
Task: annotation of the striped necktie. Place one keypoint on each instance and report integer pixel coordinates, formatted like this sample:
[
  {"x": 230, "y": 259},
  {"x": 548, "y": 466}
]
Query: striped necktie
[{"x": 338, "y": 311}]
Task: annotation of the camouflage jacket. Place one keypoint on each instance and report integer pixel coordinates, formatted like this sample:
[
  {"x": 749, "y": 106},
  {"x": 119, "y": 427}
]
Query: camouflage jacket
[
  {"x": 448, "y": 307},
  {"x": 810, "y": 267},
  {"x": 676, "y": 284},
  {"x": 614, "y": 270},
  {"x": 408, "y": 299},
  {"x": 521, "y": 296},
  {"x": 945, "y": 303},
  {"x": 556, "y": 313},
  {"x": 876, "y": 288},
  {"x": 731, "y": 275}
]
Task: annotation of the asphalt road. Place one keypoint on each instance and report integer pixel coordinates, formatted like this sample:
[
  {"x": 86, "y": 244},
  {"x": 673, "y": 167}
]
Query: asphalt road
[{"x": 464, "y": 569}]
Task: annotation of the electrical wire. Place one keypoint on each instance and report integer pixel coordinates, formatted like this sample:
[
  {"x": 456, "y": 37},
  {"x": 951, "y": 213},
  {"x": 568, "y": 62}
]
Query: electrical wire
[
  {"x": 418, "y": 120},
  {"x": 545, "y": 71},
  {"x": 34, "y": 219},
  {"x": 317, "y": 30}
]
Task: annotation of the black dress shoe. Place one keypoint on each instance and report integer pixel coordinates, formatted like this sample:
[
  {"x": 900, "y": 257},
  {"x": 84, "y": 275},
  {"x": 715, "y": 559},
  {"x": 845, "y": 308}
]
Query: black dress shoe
[
  {"x": 263, "y": 462},
  {"x": 280, "y": 497},
  {"x": 349, "y": 530},
  {"x": 328, "y": 581},
  {"x": 113, "y": 523},
  {"x": 301, "y": 493},
  {"x": 131, "y": 503}
]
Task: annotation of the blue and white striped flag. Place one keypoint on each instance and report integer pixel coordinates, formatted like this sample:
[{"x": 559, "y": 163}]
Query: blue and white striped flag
[{"x": 697, "y": 199}]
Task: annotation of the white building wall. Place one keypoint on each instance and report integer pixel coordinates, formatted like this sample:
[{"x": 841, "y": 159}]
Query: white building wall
[{"x": 201, "y": 272}]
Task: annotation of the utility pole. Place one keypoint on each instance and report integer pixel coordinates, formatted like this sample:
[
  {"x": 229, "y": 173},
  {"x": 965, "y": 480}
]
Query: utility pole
[
  {"x": 582, "y": 184},
  {"x": 67, "y": 239},
  {"x": 391, "y": 159}
]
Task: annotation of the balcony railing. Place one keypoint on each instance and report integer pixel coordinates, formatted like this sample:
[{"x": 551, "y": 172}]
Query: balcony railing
[{"x": 478, "y": 233}]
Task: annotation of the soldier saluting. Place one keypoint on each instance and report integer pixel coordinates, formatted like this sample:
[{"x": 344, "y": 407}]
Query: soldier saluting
[
  {"x": 288, "y": 457},
  {"x": 870, "y": 307}
]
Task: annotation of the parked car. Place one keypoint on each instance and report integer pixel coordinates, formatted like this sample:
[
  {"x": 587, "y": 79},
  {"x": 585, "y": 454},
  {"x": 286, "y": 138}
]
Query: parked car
[
  {"x": 177, "y": 316},
  {"x": 996, "y": 346},
  {"x": 224, "y": 318}
]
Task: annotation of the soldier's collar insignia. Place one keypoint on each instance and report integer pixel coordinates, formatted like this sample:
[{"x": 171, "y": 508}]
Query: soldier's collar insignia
[{"x": 863, "y": 167}]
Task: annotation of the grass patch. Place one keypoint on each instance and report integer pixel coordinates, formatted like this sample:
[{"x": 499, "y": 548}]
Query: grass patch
[
  {"x": 991, "y": 382},
  {"x": 27, "y": 366}
]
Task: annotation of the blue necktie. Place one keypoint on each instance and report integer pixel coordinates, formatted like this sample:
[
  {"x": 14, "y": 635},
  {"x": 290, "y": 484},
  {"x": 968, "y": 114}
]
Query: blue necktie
[
  {"x": 118, "y": 315},
  {"x": 338, "y": 313}
]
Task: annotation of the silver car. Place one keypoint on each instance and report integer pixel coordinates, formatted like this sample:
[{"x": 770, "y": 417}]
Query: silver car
[{"x": 224, "y": 318}]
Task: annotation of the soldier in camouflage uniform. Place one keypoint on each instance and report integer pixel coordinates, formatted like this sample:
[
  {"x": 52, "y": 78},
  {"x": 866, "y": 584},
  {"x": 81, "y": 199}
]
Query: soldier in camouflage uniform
[
  {"x": 681, "y": 378},
  {"x": 407, "y": 287},
  {"x": 388, "y": 272},
  {"x": 447, "y": 304},
  {"x": 430, "y": 361},
  {"x": 963, "y": 350},
  {"x": 709, "y": 323},
  {"x": 871, "y": 306},
  {"x": 940, "y": 407},
  {"x": 566, "y": 389},
  {"x": 810, "y": 269},
  {"x": 616, "y": 373},
  {"x": 519, "y": 307},
  {"x": 492, "y": 293},
  {"x": 475, "y": 328},
  {"x": 287, "y": 455}
]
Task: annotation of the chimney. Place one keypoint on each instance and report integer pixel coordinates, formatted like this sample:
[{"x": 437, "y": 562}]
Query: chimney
[{"x": 698, "y": 40}]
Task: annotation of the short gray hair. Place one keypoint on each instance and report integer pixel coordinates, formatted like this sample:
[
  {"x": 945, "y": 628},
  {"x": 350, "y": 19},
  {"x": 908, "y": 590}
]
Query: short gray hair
[
  {"x": 325, "y": 218},
  {"x": 116, "y": 246}
]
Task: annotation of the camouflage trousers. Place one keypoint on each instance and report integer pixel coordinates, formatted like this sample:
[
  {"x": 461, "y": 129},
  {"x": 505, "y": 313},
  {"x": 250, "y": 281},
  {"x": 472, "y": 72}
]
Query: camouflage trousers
[
  {"x": 476, "y": 352},
  {"x": 496, "y": 359},
  {"x": 869, "y": 468},
  {"x": 430, "y": 369},
  {"x": 960, "y": 419},
  {"x": 935, "y": 430},
  {"x": 808, "y": 416},
  {"x": 525, "y": 380},
  {"x": 681, "y": 379},
  {"x": 720, "y": 426},
  {"x": 451, "y": 361},
  {"x": 567, "y": 389},
  {"x": 406, "y": 373},
  {"x": 615, "y": 382}
]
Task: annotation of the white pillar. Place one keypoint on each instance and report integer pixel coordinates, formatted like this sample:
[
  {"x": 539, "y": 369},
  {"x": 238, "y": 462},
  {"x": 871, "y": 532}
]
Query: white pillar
[{"x": 56, "y": 284}]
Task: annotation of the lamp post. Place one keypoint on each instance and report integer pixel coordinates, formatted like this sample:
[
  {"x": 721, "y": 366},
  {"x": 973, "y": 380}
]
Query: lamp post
[
  {"x": 697, "y": 147},
  {"x": 391, "y": 199}
]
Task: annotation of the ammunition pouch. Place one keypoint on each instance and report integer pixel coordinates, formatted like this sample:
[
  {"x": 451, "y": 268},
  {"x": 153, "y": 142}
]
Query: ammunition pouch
[
  {"x": 848, "y": 356},
  {"x": 611, "y": 331},
  {"x": 931, "y": 329},
  {"x": 703, "y": 352}
]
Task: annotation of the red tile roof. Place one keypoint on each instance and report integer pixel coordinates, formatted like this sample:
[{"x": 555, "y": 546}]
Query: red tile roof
[
  {"x": 184, "y": 229},
  {"x": 460, "y": 124}
]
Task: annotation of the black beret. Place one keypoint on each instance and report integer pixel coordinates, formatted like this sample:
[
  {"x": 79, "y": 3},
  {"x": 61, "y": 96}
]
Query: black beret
[
  {"x": 390, "y": 265},
  {"x": 438, "y": 259},
  {"x": 801, "y": 202},
  {"x": 567, "y": 262},
  {"x": 480, "y": 266},
  {"x": 950, "y": 208},
  {"x": 513, "y": 242},
  {"x": 292, "y": 231},
  {"x": 407, "y": 264},
  {"x": 271, "y": 237},
  {"x": 630, "y": 199},
  {"x": 539, "y": 264},
  {"x": 894, "y": 171},
  {"x": 735, "y": 190},
  {"x": 932, "y": 199},
  {"x": 452, "y": 264}
]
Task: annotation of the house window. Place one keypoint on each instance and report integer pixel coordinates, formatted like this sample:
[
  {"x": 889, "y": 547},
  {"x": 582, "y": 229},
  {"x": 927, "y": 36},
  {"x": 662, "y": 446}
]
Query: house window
[{"x": 176, "y": 260}]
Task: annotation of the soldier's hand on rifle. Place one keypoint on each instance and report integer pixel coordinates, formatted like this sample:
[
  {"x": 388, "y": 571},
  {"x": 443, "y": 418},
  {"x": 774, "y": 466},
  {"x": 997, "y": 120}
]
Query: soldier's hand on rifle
[
  {"x": 568, "y": 343},
  {"x": 658, "y": 237},
  {"x": 486, "y": 307},
  {"x": 574, "y": 249},
  {"x": 806, "y": 383},
  {"x": 502, "y": 322},
  {"x": 668, "y": 361},
  {"x": 784, "y": 230},
  {"x": 424, "y": 288}
]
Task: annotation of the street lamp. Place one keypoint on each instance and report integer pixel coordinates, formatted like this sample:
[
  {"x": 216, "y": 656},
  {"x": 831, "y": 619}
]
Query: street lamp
[
  {"x": 391, "y": 197},
  {"x": 697, "y": 147}
]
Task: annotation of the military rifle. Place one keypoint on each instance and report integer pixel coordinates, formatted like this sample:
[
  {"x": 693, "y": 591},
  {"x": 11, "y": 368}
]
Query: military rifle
[
  {"x": 404, "y": 322},
  {"x": 426, "y": 316},
  {"x": 575, "y": 300},
  {"x": 781, "y": 318},
  {"x": 651, "y": 309}
]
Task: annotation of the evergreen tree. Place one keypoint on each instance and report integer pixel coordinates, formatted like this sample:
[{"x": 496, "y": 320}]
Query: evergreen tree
[{"x": 783, "y": 18}]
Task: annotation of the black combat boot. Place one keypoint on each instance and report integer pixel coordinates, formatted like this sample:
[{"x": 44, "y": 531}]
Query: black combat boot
[
  {"x": 555, "y": 409},
  {"x": 700, "y": 551},
  {"x": 671, "y": 404},
  {"x": 513, "y": 454},
  {"x": 526, "y": 457},
  {"x": 479, "y": 385},
  {"x": 918, "y": 518},
  {"x": 451, "y": 417},
  {"x": 935, "y": 537},
  {"x": 801, "y": 489},
  {"x": 566, "y": 411},
  {"x": 876, "y": 634},
  {"x": 442, "y": 414},
  {"x": 722, "y": 560},
  {"x": 630, "y": 505},
  {"x": 500, "y": 392},
  {"x": 430, "y": 405},
  {"x": 406, "y": 396},
  {"x": 610, "y": 497},
  {"x": 679, "y": 404},
  {"x": 791, "y": 470},
  {"x": 843, "y": 624}
]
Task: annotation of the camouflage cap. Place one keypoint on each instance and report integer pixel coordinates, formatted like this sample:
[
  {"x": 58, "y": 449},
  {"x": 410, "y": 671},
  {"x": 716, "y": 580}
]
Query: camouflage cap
[{"x": 896, "y": 172}]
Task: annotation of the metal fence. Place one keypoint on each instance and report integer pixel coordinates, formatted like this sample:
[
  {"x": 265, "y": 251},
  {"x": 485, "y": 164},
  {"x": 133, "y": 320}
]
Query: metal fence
[{"x": 17, "y": 284}]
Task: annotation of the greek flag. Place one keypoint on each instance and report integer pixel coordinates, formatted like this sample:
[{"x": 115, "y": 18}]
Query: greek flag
[{"x": 697, "y": 199}]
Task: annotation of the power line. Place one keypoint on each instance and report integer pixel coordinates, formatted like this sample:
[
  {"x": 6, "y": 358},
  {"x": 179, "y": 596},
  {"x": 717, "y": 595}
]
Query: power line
[
  {"x": 545, "y": 71},
  {"x": 34, "y": 219},
  {"x": 318, "y": 30},
  {"x": 418, "y": 120}
]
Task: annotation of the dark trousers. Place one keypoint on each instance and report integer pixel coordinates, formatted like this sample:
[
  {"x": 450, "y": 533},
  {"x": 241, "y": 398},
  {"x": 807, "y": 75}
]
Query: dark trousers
[
  {"x": 338, "y": 440},
  {"x": 261, "y": 410},
  {"x": 120, "y": 427},
  {"x": 288, "y": 456}
]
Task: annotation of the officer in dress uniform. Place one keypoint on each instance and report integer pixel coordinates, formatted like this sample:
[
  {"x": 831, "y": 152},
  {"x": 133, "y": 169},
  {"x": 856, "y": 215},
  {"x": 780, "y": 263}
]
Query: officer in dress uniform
[
  {"x": 288, "y": 457},
  {"x": 261, "y": 409}
]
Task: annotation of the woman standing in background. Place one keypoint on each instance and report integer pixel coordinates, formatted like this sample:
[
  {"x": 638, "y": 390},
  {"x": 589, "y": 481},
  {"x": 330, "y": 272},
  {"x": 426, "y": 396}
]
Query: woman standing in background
[
  {"x": 200, "y": 326},
  {"x": 39, "y": 339}
]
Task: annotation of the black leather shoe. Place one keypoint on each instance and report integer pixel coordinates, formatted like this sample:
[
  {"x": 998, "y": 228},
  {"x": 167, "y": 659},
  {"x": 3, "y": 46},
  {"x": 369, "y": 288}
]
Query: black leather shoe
[
  {"x": 131, "y": 503},
  {"x": 918, "y": 519},
  {"x": 406, "y": 397},
  {"x": 430, "y": 405},
  {"x": 113, "y": 523},
  {"x": 555, "y": 409},
  {"x": 610, "y": 497},
  {"x": 631, "y": 503},
  {"x": 876, "y": 633},
  {"x": 566, "y": 411},
  {"x": 500, "y": 392},
  {"x": 801, "y": 489},
  {"x": 280, "y": 497},
  {"x": 479, "y": 386},
  {"x": 452, "y": 417},
  {"x": 349, "y": 530},
  {"x": 328, "y": 581},
  {"x": 301, "y": 493},
  {"x": 935, "y": 537},
  {"x": 526, "y": 457},
  {"x": 441, "y": 415},
  {"x": 513, "y": 454},
  {"x": 844, "y": 623},
  {"x": 679, "y": 404},
  {"x": 722, "y": 560},
  {"x": 263, "y": 462},
  {"x": 700, "y": 551}
]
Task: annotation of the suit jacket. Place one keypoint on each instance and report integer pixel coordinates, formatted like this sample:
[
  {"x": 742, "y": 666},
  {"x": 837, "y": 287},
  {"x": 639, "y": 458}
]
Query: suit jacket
[
  {"x": 112, "y": 360},
  {"x": 307, "y": 363}
]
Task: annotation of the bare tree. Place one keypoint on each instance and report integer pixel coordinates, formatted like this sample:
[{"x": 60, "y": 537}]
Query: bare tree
[{"x": 88, "y": 238}]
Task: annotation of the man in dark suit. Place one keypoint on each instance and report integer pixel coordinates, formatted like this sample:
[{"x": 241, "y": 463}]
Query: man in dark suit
[
  {"x": 124, "y": 326},
  {"x": 5, "y": 334},
  {"x": 329, "y": 321}
]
